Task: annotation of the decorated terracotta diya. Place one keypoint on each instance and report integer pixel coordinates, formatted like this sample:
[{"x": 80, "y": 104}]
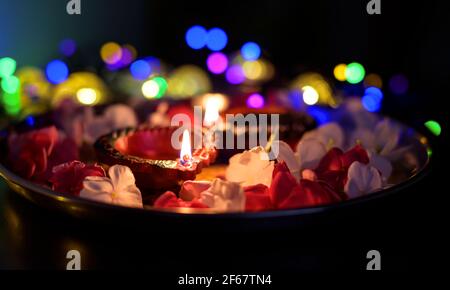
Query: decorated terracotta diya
[{"x": 156, "y": 165}]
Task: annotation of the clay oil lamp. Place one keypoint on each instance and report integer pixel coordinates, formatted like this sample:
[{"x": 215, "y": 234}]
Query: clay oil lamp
[{"x": 155, "y": 163}]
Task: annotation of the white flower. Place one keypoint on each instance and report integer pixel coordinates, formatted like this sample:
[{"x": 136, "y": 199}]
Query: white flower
[
  {"x": 382, "y": 164},
  {"x": 115, "y": 117},
  {"x": 362, "y": 179},
  {"x": 224, "y": 196},
  {"x": 118, "y": 189},
  {"x": 330, "y": 135},
  {"x": 307, "y": 156},
  {"x": 250, "y": 168}
]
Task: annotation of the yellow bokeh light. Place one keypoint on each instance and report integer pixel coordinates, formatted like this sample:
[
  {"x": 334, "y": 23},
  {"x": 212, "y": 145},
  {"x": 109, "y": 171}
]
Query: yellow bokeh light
[
  {"x": 310, "y": 95},
  {"x": 87, "y": 96},
  {"x": 78, "y": 81},
  {"x": 320, "y": 85},
  {"x": 111, "y": 52},
  {"x": 252, "y": 69},
  {"x": 150, "y": 89},
  {"x": 187, "y": 81},
  {"x": 373, "y": 80},
  {"x": 339, "y": 72}
]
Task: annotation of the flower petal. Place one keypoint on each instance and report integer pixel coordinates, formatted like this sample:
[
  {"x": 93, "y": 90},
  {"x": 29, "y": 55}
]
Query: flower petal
[
  {"x": 285, "y": 154},
  {"x": 309, "y": 153},
  {"x": 121, "y": 177},
  {"x": 97, "y": 188},
  {"x": 362, "y": 179},
  {"x": 193, "y": 189}
]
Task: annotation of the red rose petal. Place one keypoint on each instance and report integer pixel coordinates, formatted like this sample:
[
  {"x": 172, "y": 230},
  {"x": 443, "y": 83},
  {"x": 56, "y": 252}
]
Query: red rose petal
[
  {"x": 282, "y": 183},
  {"x": 257, "y": 198}
]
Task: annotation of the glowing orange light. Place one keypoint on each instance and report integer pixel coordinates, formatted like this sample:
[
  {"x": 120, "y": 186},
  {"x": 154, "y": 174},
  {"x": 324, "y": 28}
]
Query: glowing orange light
[{"x": 186, "y": 150}]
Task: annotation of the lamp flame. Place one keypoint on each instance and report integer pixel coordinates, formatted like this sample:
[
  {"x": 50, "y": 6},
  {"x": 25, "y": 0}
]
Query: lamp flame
[
  {"x": 211, "y": 112},
  {"x": 186, "y": 150}
]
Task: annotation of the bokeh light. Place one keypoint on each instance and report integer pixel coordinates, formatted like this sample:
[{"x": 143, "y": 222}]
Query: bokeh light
[
  {"x": 7, "y": 67},
  {"x": 355, "y": 73},
  {"x": 399, "y": 84},
  {"x": 251, "y": 51},
  {"x": 339, "y": 72},
  {"x": 319, "y": 84},
  {"x": 434, "y": 127},
  {"x": 111, "y": 53},
  {"x": 10, "y": 84},
  {"x": 76, "y": 82},
  {"x": 310, "y": 95},
  {"x": 372, "y": 99},
  {"x": 11, "y": 103},
  {"x": 187, "y": 81},
  {"x": 140, "y": 69},
  {"x": 150, "y": 89},
  {"x": 57, "y": 71},
  {"x": 87, "y": 96},
  {"x": 371, "y": 103},
  {"x": 235, "y": 75},
  {"x": 373, "y": 80},
  {"x": 216, "y": 39},
  {"x": 154, "y": 88},
  {"x": 217, "y": 62},
  {"x": 68, "y": 47},
  {"x": 196, "y": 37},
  {"x": 221, "y": 101},
  {"x": 255, "y": 101}
]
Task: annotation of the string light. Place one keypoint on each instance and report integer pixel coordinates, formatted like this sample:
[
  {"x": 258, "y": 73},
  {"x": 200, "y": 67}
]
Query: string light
[
  {"x": 310, "y": 95},
  {"x": 196, "y": 37},
  {"x": 87, "y": 96},
  {"x": 111, "y": 53},
  {"x": 216, "y": 39},
  {"x": 339, "y": 72},
  {"x": 140, "y": 69},
  {"x": 235, "y": 75},
  {"x": 434, "y": 127},
  {"x": 217, "y": 62},
  {"x": 57, "y": 71},
  {"x": 355, "y": 73},
  {"x": 7, "y": 67},
  {"x": 399, "y": 84},
  {"x": 10, "y": 84},
  {"x": 68, "y": 47},
  {"x": 255, "y": 101},
  {"x": 251, "y": 51}
]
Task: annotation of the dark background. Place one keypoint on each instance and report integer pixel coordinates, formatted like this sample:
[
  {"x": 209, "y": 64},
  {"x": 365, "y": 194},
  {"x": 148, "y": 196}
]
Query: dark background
[{"x": 408, "y": 37}]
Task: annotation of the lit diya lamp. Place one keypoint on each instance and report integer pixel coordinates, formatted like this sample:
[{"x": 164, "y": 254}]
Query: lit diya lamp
[
  {"x": 149, "y": 153},
  {"x": 208, "y": 152}
]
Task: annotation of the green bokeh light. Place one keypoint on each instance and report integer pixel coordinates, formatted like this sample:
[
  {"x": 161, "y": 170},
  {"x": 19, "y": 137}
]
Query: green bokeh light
[
  {"x": 162, "y": 83},
  {"x": 10, "y": 84},
  {"x": 355, "y": 73},
  {"x": 11, "y": 103},
  {"x": 7, "y": 67},
  {"x": 434, "y": 127}
]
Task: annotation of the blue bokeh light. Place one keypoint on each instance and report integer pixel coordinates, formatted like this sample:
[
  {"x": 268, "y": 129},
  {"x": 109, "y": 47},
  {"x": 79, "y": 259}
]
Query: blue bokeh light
[
  {"x": 140, "y": 69},
  {"x": 68, "y": 47},
  {"x": 320, "y": 115},
  {"x": 372, "y": 98},
  {"x": 57, "y": 71},
  {"x": 251, "y": 51},
  {"x": 371, "y": 103},
  {"x": 216, "y": 39},
  {"x": 196, "y": 37},
  {"x": 374, "y": 91}
]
